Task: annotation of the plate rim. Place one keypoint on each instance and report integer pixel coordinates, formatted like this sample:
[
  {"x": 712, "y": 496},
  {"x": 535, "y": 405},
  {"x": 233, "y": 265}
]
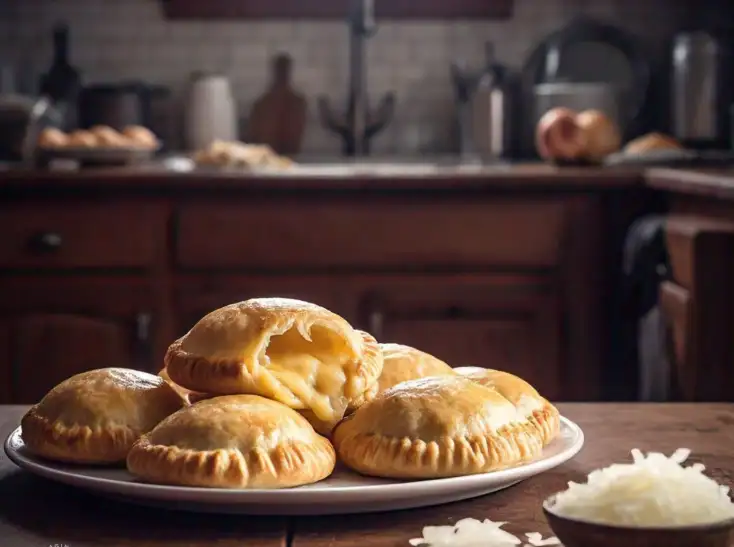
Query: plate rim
[{"x": 289, "y": 495}]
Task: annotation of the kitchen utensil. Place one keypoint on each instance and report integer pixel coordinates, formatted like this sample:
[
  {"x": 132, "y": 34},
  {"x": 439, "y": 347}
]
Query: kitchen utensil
[
  {"x": 211, "y": 111},
  {"x": 491, "y": 110},
  {"x": 702, "y": 90},
  {"x": 465, "y": 82},
  {"x": 579, "y": 533},
  {"x": 278, "y": 117},
  {"x": 343, "y": 492},
  {"x": 588, "y": 51}
]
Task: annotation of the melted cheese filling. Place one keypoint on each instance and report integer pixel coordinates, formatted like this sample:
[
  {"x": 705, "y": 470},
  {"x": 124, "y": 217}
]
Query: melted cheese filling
[{"x": 314, "y": 371}]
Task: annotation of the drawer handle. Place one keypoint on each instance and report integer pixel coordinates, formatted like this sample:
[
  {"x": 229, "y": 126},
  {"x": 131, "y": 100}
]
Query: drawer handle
[{"x": 46, "y": 242}]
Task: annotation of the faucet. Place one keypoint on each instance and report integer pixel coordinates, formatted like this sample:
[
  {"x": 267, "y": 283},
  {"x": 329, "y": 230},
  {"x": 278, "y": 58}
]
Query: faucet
[{"x": 359, "y": 124}]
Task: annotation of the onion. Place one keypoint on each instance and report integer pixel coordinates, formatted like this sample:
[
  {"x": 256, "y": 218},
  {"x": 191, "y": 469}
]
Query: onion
[
  {"x": 558, "y": 136},
  {"x": 602, "y": 134}
]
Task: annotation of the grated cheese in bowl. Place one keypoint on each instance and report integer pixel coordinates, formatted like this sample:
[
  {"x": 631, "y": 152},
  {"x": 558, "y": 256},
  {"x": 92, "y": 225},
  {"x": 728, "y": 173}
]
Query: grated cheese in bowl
[
  {"x": 652, "y": 491},
  {"x": 477, "y": 533}
]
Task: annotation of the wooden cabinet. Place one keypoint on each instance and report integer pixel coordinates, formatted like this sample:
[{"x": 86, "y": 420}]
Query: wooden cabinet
[
  {"x": 50, "y": 330},
  {"x": 495, "y": 321},
  {"x": 458, "y": 233},
  {"x": 46, "y": 236},
  {"x": 335, "y": 9},
  {"x": 697, "y": 304},
  {"x": 506, "y": 279}
]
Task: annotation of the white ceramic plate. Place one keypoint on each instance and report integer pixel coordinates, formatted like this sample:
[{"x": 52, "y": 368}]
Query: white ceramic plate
[{"x": 343, "y": 492}]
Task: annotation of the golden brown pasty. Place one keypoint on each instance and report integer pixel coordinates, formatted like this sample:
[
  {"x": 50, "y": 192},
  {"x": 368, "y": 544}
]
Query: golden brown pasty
[
  {"x": 402, "y": 363},
  {"x": 291, "y": 351},
  {"x": 233, "y": 441},
  {"x": 528, "y": 402},
  {"x": 441, "y": 426},
  {"x": 96, "y": 416}
]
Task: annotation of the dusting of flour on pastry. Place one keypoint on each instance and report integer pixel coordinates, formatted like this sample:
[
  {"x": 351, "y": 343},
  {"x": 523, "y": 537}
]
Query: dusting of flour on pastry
[{"x": 475, "y": 533}]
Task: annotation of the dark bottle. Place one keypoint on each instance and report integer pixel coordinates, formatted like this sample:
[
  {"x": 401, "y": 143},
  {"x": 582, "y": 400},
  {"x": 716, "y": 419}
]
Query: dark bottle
[{"x": 62, "y": 81}]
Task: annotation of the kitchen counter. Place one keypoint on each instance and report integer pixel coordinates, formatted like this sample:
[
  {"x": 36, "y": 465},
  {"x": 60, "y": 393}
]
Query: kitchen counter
[
  {"x": 35, "y": 512},
  {"x": 710, "y": 183},
  {"x": 379, "y": 176}
]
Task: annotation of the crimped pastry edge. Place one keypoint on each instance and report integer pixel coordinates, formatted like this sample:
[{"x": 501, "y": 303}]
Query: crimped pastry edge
[
  {"x": 406, "y": 458},
  {"x": 294, "y": 464},
  {"x": 224, "y": 377},
  {"x": 547, "y": 421},
  {"x": 75, "y": 444}
]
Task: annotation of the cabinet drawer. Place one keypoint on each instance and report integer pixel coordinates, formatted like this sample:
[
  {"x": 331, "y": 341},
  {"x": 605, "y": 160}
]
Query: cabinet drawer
[
  {"x": 371, "y": 232},
  {"x": 57, "y": 236}
]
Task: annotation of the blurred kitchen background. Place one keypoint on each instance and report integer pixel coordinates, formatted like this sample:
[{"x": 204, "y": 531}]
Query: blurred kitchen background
[{"x": 112, "y": 42}]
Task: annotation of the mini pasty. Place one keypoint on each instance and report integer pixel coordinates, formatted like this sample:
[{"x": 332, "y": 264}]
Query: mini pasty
[
  {"x": 442, "y": 426},
  {"x": 294, "y": 352},
  {"x": 96, "y": 416},
  {"x": 402, "y": 363},
  {"x": 528, "y": 402},
  {"x": 233, "y": 441}
]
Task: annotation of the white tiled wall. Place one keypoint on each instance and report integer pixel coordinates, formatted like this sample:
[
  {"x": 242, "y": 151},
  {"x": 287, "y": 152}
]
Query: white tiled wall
[{"x": 123, "y": 39}]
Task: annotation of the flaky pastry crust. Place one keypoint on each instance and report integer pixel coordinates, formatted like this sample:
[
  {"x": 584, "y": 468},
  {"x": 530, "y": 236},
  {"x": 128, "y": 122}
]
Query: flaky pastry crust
[
  {"x": 294, "y": 352},
  {"x": 96, "y": 416},
  {"x": 403, "y": 363},
  {"x": 186, "y": 394},
  {"x": 528, "y": 402},
  {"x": 233, "y": 441},
  {"x": 441, "y": 426}
]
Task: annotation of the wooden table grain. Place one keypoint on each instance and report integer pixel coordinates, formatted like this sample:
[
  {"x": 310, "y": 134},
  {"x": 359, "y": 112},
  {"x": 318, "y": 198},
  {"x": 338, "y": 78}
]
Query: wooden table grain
[{"x": 37, "y": 513}]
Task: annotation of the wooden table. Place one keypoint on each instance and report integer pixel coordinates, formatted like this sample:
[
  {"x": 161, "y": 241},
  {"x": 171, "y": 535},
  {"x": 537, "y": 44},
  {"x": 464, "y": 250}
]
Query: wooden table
[{"x": 36, "y": 513}]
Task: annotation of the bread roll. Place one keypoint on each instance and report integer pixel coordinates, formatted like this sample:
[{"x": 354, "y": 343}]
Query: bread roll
[
  {"x": 650, "y": 142},
  {"x": 140, "y": 136},
  {"x": 108, "y": 137},
  {"x": 82, "y": 139},
  {"x": 52, "y": 138}
]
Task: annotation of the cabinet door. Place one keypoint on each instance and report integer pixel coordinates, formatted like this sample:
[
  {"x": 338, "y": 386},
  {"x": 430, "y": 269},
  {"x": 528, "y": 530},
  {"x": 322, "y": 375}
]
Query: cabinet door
[
  {"x": 50, "y": 331},
  {"x": 501, "y": 323}
]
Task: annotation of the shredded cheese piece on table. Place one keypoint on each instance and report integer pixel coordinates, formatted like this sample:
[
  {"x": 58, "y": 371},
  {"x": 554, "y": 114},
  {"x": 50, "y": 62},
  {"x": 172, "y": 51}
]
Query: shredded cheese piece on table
[{"x": 475, "y": 533}]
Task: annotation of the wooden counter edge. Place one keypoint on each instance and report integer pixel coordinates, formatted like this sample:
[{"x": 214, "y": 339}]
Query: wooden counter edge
[
  {"x": 541, "y": 177},
  {"x": 711, "y": 183}
]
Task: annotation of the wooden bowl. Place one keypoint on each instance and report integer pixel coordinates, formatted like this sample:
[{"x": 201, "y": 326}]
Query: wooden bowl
[{"x": 579, "y": 533}]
